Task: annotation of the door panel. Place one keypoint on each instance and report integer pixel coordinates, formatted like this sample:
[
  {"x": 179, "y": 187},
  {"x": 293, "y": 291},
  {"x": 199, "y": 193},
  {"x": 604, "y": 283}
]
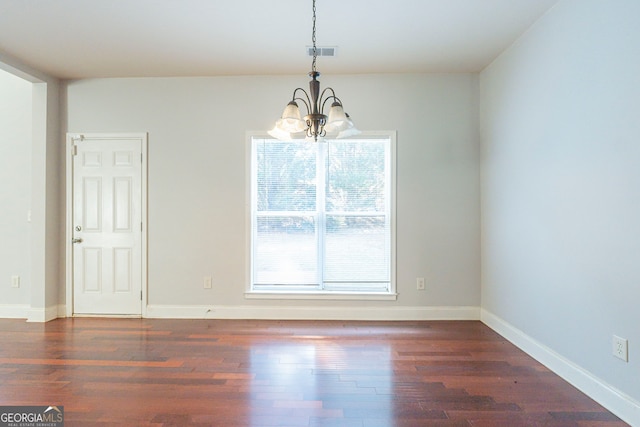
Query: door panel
[{"x": 107, "y": 221}]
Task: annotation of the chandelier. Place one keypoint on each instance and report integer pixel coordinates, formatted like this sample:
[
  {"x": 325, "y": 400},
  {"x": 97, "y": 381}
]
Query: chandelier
[{"x": 315, "y": 124}]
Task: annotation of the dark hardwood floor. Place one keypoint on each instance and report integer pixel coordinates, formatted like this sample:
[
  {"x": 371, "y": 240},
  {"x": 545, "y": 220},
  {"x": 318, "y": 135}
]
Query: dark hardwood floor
[{"x": 142, "y": 372}]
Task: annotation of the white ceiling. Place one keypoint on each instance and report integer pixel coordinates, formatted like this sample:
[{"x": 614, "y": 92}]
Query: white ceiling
[{"x": 129, "y": 38}]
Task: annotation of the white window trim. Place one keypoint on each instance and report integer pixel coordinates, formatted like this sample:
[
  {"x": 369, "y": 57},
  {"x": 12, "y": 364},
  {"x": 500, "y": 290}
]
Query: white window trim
[{"x": 250, "y": 293}]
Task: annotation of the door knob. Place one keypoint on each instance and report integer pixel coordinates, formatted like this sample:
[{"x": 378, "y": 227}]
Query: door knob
[{"x": 76, "y": 240}]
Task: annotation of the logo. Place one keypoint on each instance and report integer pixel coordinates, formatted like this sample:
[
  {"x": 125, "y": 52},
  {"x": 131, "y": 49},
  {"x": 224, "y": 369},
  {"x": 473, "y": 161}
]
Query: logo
[{"x": 31, "y": 416}]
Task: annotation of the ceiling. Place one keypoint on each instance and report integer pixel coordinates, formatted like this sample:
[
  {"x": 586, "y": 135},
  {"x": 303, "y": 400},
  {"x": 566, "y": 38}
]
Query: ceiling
[{"x": 75, "y": 39}]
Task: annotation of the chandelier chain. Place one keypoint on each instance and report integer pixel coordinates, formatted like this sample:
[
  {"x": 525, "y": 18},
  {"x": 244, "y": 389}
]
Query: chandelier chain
[{"x": 313, "y": 39}]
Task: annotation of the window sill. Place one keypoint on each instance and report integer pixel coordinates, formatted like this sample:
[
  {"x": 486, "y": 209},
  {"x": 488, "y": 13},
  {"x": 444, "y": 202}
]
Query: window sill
[{"x": 321, "y": 295}]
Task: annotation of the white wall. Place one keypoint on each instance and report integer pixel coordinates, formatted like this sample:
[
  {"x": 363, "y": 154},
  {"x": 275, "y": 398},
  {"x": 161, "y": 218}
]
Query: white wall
[
  {"x": 44, "y": 164},
  {"x": 560, "y": 130},
  {"x": 197, "y": 182},
  {"x": 15, "y": 187}
]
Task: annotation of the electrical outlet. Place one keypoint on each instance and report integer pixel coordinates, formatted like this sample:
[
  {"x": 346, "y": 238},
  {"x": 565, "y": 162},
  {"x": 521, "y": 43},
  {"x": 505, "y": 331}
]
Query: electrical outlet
[
  {"x": 207, "y": 282},
  {"x": 420, "y": 283},
  {"x": 620, "y": 348},
  {"x": 15, "y": 281}
]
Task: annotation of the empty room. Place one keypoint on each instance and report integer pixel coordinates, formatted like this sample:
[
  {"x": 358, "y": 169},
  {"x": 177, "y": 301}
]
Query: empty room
[{"x": 320, "y": 213}]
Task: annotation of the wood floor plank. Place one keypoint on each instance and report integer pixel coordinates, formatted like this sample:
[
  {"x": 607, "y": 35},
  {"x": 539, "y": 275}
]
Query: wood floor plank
[{"x": 236, "y": 373}]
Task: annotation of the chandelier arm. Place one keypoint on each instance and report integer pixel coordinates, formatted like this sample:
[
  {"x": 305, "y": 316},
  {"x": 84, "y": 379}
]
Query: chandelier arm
[
  {"x": 333, "y": 93},
  {"x": 331, "y": 97},
  {"x": 322, "y": 133},
  {"x": 307, "y": 102}
]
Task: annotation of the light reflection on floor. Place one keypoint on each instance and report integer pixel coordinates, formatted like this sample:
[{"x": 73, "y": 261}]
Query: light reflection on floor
[{"x": 317, "y": 382}]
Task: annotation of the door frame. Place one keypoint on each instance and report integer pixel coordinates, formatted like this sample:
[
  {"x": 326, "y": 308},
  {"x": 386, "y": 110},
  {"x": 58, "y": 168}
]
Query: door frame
[{"x": 71, "y": 139}]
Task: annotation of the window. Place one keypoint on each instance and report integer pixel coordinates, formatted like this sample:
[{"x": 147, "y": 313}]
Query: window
[{"x": 322, "y": 216}]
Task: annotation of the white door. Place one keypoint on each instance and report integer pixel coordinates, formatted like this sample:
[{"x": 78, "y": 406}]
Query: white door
[{"x": 107, "y": 225}]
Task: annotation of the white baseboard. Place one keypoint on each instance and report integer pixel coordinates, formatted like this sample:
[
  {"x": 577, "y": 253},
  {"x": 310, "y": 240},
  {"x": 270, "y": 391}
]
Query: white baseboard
[
  {"x": 43, "y": 314},
  {"x": 270, "y": 312},
  {"x": 312, "y": 313},
  {"x": 24, "y": 311},
  {"x": 614, "y": 400},
  {"x": 14, "y": 311}
]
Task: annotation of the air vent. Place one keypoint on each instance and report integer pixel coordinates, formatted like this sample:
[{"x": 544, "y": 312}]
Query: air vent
[{"x": 323, "y": 50}]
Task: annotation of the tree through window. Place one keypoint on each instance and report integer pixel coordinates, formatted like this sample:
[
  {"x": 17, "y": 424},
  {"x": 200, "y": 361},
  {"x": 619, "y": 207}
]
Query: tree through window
[{"x": 321, "y": 215}]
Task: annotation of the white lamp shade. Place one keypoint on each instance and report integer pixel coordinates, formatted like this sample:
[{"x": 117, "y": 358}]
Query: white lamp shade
[
  {"x": 279, "y": 134},
  {"x": 352, "y": 131},
  {"x": 338, "y": 120},
  {"x": 291, "y": 120}
]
